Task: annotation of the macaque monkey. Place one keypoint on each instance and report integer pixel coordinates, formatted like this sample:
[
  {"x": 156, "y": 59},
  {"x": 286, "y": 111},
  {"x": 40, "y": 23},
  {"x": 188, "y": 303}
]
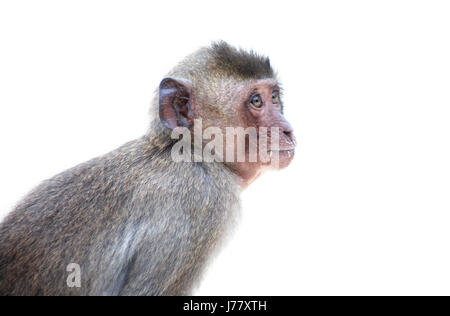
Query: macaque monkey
[{"x": 135, "y": 221}]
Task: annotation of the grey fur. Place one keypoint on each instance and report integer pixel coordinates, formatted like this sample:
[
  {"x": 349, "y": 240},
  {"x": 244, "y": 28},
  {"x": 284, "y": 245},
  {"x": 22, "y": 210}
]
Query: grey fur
[
  {"x": 127, "y": 218},
  {"x": 136, "y": 222}
]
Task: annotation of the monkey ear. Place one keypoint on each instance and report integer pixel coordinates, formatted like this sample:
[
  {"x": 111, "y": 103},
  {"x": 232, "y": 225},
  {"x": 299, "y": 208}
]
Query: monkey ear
[{"x": 175, "y": 106}]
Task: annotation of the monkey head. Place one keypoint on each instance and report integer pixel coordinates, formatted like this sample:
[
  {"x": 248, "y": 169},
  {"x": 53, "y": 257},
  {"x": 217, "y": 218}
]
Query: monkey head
[{"x": 237, "y": 99}]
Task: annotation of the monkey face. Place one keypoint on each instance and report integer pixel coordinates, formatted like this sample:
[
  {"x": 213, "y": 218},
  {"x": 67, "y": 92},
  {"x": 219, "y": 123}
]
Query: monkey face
[
  {"x": 265, "y": 111},
  {"x": 255, "y": 110},
  {"x": 259, "y": 106}
]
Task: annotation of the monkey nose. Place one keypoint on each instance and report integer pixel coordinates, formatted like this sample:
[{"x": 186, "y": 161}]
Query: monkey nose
[{"x": 290, "y": 136}]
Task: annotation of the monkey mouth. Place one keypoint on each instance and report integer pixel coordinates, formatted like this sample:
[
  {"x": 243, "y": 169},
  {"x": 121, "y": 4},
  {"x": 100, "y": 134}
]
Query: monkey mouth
[{"x": 289, "y": 152}]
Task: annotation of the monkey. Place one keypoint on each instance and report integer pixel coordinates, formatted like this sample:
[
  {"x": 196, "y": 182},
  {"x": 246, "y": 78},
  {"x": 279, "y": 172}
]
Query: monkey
[{"x": 135, "y": 221}]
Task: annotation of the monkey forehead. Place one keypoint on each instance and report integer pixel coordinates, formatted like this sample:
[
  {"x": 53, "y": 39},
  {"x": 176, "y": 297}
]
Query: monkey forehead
[
  {"x": 260, "y": 86},
  {"x": 262, "y": 83},
  {"x": 233, "y": 84},
  {"x": 227, "y": 91}
]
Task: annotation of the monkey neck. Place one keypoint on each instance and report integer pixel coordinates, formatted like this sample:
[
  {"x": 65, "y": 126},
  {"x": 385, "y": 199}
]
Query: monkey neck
[
  {"x": 243, "y": 175},
  {"x": 160, "y": 141},
  {"x": 159, "y": 137}
]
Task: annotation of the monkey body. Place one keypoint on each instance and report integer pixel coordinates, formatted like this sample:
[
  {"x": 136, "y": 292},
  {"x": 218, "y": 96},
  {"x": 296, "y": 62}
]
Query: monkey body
[
  {"x": 152, "y": 235},
  {"x": 136, "y": 221}
]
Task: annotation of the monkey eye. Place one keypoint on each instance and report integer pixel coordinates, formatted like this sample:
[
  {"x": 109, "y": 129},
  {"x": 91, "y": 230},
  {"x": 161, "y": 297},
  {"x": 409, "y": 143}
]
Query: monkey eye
[
  {"x": 256, "y": 101},
  {"x": 275, "y": 97}
]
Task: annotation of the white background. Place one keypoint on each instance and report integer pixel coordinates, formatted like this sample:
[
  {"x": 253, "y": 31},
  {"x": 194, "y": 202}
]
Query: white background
[{"x": 365, "y": 206}]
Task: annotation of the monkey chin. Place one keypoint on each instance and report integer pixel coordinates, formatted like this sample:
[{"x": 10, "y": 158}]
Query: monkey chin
[{"x": 284, "y": 159}]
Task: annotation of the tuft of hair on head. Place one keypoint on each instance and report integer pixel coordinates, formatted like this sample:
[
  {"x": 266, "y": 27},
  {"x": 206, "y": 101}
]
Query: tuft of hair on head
[{"x": 238, "y": 62}]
